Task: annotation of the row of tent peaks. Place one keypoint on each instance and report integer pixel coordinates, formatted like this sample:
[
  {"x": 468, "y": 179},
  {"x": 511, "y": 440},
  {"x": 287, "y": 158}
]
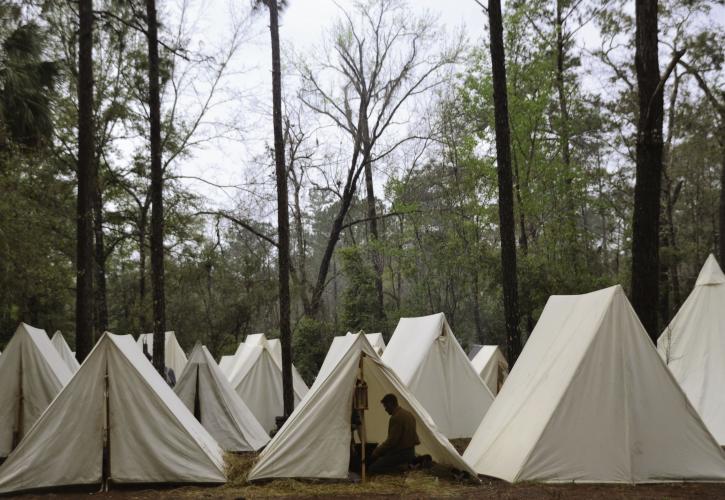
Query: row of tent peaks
[{"x": 590, "y": 399}]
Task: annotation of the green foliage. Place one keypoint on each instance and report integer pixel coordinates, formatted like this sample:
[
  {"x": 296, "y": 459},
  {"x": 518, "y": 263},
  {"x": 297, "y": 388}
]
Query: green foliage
[
  {"x": 439, "y": 240},
  {"x": 310, "y": 340},
  {"x": 27, "y": 81},
  {"x": 36, "y": 244},
  {"x": 359, "y": 298}
]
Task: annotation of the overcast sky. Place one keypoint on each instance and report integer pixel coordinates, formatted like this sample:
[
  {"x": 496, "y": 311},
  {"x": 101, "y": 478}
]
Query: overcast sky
[{"x": 302, "y": 26}]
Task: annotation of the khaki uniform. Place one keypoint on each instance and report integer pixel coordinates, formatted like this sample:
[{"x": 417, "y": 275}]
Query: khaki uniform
[{"x": 399, "y": 448}]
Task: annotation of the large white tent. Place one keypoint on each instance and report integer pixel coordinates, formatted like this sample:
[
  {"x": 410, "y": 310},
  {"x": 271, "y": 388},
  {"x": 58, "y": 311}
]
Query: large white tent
[
  {"x": 257, "y": 378},
  {"x": 426, "y": 356},
  {"x": 376, "y": 340},
  {"x": 65, "y": 352},
  {"x": 315, "y": 440},
  {"x": 206, "y": 392},
  {"x": 590, "y": 400},
  {"x": 31, "y": 375},
  {"x": 693, "y": 346},
  {"x": 118, "y": 398},
  {"x": 174, "y": 356},
  {"x": 491, "y": 365}
]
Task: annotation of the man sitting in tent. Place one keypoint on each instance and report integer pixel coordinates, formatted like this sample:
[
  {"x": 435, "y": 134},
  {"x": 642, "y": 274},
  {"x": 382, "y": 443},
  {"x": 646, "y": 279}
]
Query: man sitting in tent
[{"x": 399, "y": 448}]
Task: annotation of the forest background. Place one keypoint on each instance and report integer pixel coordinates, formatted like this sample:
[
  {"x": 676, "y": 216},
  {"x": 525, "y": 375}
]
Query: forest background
[{"x": 401, "y": 220}]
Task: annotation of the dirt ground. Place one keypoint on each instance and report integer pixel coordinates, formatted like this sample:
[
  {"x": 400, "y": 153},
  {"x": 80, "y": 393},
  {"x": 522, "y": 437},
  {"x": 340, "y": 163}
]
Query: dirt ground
[
  {"x": 434, "y": 483},
  {"x": 413, "y": 486}
]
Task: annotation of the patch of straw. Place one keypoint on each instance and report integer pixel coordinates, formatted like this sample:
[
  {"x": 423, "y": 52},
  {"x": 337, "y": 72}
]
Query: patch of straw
[{"x": 437, "y": 482}]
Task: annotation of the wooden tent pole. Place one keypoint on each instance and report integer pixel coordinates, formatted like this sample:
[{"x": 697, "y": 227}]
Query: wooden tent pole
[
  {"x": 106, "y": 466},
  {"x": 363, "y": 436},
  {"x": 18, "y": 434}
]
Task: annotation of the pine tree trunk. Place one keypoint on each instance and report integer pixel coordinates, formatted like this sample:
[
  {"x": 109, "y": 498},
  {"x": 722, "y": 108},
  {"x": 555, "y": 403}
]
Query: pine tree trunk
[
  {"x": 142, "y": 271},
  {"x": 86, "y": 184},
  {"x": 564, "y": 137},
  {"x": 505, "y": 183},
  {"x": 100, "y": 251},
  {"x": 157, "y": 192},
  {"x": 669, "y": 239},
  {"x": 561, "y": 90},
  {"x": 282, "y": 214},
  {"x": 646, "y": 221}
]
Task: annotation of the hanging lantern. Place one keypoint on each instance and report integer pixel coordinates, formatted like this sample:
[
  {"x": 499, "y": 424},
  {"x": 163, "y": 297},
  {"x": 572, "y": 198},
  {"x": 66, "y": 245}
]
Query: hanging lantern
[{"x": 360, "y": 398}]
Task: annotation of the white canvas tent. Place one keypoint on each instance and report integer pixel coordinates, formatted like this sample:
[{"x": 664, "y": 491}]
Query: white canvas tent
[
  {"x": 693, "y": 346},
  {"x": 315, "y": 440},
  {"x": 491, "y": 365},
  {"x": 116, "y": 397},
  {"x": 590, "y": 400},
  {"x": 376, "y": 340},
  {"x": 276, "y": 347},
  {"x": 206, "y": 392},
  {"x": 31, "y": 374},
  {"x": 64, "y": 351},
  {"x": 174, "y": 356},
  {"x": 257, "y": 378},
  {"x": 426, "y": 356},
  {"x": 226, "y": 364}
]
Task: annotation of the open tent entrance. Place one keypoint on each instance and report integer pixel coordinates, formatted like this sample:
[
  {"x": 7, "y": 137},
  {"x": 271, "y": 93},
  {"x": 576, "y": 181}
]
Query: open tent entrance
[
  {"x": 318, "y": 441},
  {"x": 375, "y": 418}
]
